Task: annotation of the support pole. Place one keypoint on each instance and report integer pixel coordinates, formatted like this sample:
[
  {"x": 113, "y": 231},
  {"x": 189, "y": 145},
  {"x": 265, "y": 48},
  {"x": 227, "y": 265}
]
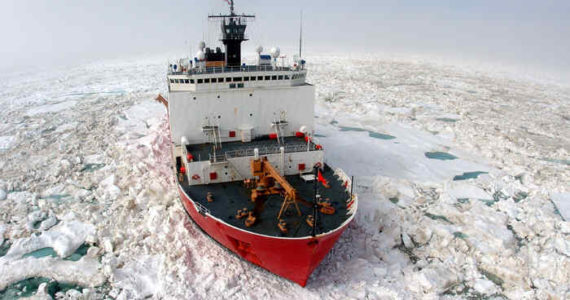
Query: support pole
[{"x": 315, "y": 205}]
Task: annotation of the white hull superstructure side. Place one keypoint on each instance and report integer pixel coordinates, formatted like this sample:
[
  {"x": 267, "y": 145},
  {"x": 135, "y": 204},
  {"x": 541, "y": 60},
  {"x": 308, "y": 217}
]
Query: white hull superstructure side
[
  {"x": 222, "y": 78},
  {"x": 230, "y": 168},
  {"x": 240, "y": 112}
]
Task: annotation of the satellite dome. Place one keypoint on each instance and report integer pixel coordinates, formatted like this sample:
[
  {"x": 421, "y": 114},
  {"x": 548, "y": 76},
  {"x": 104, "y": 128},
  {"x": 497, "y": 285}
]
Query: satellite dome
[
  {"x": 184, "y": 63},
  {"x": 200, "y": 55},
  {"x": 275, "y": 52},
  {"x": 259, "y": 49}
]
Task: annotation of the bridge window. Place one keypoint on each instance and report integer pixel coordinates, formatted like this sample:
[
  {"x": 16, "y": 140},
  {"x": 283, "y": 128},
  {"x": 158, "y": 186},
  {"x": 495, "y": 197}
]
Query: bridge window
[
  {"x": 232, "y": 85},
  {"x": 192, "y": 81},
  {"x": 260, "y": 78},
  {"x": 280, "y": 77},
  {"x": 253, "y": 78},
  {"x": 240, "y": 85},
  {"x": 286, "y": 77},
  {"x": 207, "y": 80},
  {"x": 228, "y": 79},
  {"x": 220, "y": 80},
  {"x": 274, "y": 77},
  {"x": 171, "y": 80},
  {"x": 200, "y": 81},
  {"x": 237, "y": 79},
  {"x": 246, "y": 79},
  {"x": 214, "y": 80},
  {"x": 186, "y": 81},
  {"x": 267, "y": 77}
]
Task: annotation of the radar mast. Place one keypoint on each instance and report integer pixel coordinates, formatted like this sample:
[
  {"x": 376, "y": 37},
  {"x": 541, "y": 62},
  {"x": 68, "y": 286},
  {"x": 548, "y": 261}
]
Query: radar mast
[{"x": 233, "y": 34}]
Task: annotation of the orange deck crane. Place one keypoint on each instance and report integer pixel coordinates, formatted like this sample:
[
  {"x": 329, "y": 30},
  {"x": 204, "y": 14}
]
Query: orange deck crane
[{"x": 270, "y": 182}]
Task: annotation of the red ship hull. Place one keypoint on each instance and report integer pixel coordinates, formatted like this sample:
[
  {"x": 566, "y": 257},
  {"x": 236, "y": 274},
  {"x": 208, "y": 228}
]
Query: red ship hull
[{"x": 291, "y": 258}]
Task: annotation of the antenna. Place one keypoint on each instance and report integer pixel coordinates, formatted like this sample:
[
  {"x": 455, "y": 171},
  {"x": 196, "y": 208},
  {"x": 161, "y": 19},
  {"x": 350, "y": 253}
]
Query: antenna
[{"x": 301, "y": 37}]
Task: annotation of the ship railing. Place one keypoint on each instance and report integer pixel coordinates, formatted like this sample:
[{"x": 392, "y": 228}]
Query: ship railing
[
  {"x": 267, "y": 150},
  {"x": 201, "y": 208},
  {"x": 217, "y": 158},
  {"x": 217, "y": 70}
]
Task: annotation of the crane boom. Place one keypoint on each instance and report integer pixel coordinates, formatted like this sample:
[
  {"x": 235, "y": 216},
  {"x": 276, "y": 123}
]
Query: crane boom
[{"x": 264, "y": 171}]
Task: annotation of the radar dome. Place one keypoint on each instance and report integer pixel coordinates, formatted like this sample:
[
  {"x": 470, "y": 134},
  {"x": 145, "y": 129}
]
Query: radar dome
[
  {"x": 202, "y": 45},
  {"x": 184, "y": 63},
  {"x": 200, "y": 55},
  {"x": 259, "y": 49},
  {"x": 275, "y": 51}
]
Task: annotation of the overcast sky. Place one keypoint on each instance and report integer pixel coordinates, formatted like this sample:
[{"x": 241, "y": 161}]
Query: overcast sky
[{"x": 54, "y": 32}]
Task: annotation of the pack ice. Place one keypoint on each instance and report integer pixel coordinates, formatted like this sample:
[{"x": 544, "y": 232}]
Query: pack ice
[{"x": 462, "y": 175}]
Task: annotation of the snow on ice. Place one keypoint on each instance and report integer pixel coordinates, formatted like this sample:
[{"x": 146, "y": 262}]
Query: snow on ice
[{"x": 462, "y": 177}]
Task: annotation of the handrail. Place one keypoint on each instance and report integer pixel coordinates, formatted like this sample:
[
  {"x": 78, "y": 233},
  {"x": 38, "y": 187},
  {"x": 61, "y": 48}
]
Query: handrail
[
  {"x": 262, "y": 151},
  {"x": 201, "y": 208},
  {"x": 219, "y": 70}
]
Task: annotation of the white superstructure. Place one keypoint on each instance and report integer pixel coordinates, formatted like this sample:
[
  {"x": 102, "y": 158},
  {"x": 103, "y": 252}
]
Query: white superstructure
[{"x": 223, "y": 113}]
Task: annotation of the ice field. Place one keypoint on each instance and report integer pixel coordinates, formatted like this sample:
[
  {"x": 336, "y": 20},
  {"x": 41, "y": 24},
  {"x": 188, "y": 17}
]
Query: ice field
[{"x": 463, "y": 176}]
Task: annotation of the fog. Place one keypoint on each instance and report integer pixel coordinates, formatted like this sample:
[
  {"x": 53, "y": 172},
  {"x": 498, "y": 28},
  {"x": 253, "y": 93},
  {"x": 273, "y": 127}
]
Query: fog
[{"x": 530, "y": 34}]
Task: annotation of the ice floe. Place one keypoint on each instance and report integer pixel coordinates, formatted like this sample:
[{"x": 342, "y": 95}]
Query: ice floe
[{"x": 90, "y": 140}]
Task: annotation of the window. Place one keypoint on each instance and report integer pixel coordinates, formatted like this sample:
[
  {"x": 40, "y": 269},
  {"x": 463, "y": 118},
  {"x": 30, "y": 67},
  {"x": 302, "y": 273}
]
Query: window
[
  {"x": 232, "y": 85},
  {"x": 171, "y": 80},
  {"x": 246, "y": 79},
  {"x": 192, "y": 81},
  {"x": 253, "y": 78},
  {"x": 260, "y": 78},
  {"x": 240, "y": 85},
  {"x": 286, "y": 77},
  {"x": 274, "y": 77},
  {"x": 280, "y": 77},
  {"x": 228, "y": 79},
  {"x": 267, "y": 77},
  {"x": 220, "y": 80},
  {"x": 207, "y": 80},
  {"x": 186, "y": 81},
  {"x": 200, "y": 81},
  {"x": 237, "y": 79},
  {"x": 214, "y": 80}
]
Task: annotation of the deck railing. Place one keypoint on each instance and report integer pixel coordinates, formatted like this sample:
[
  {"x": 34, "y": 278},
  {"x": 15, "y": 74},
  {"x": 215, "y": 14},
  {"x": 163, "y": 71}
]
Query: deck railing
[
  {"x": 201, "y": 208},
  {"x": 216, "y": 70},
  {"x": 262, "y": 151}
]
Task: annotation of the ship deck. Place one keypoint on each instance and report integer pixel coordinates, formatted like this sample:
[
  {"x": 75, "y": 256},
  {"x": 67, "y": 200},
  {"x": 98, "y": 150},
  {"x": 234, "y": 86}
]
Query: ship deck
[{"x": 229, "y": 197}]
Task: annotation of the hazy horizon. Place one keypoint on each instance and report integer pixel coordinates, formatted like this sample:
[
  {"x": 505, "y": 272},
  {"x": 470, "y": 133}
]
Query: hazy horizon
[{"x": 531, "y": 35}]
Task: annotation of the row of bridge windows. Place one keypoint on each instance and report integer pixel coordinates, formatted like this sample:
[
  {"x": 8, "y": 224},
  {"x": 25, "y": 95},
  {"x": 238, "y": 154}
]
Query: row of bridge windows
[{"x": 235, "y": 79}]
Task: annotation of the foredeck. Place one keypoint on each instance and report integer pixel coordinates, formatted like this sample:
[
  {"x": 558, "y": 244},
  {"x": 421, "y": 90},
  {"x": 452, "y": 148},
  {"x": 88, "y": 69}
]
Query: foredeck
[
  {"x": 231, "y": 196},
  {"x": 204, "y": 152}
]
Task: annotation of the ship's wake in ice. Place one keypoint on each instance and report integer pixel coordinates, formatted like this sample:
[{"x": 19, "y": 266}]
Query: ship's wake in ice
[{"x": 462, "y": 179}]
